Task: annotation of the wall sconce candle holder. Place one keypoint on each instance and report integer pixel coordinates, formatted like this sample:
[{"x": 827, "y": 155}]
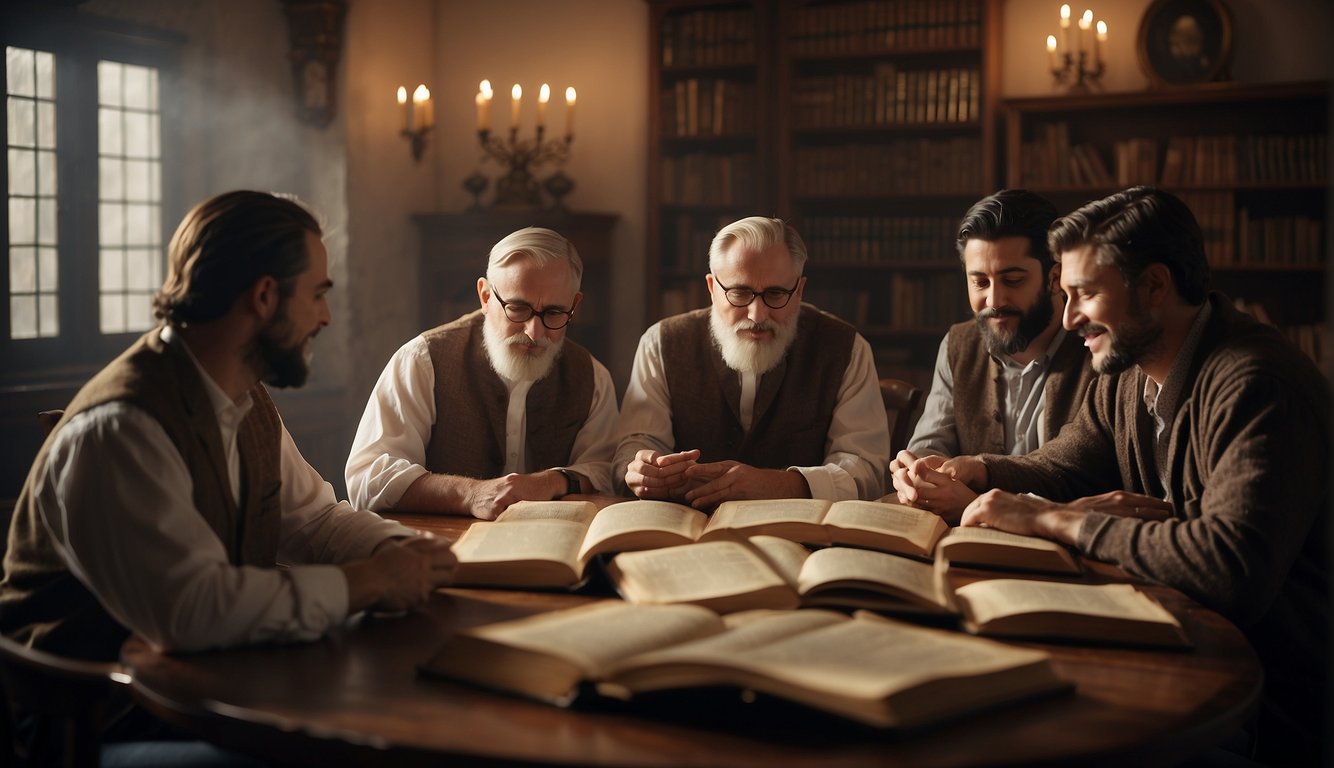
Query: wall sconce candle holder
[
  {"x": 518, "y": 188},
  {"x": 418, "y": 118}
]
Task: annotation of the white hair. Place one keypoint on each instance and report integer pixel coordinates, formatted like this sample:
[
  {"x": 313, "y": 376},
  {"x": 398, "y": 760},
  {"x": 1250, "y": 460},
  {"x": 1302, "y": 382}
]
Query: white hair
[
  {"x": 758, "y": 233},
  {"x": 539, "y": 244}
]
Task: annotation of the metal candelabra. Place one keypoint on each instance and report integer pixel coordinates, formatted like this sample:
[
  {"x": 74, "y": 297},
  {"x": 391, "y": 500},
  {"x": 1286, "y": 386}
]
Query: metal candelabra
[{"x": 518, "y": 187}]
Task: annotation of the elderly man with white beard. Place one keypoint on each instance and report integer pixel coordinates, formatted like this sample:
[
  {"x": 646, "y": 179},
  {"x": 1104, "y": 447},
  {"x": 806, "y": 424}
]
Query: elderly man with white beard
[
  {"x": 496, "y": 406},
  {"x": 758, "y": 396}
]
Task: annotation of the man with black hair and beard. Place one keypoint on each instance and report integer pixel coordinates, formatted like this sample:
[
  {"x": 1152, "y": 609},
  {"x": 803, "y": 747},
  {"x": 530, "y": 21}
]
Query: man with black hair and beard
[
  {"x": 758, "y": 396},
  {"x": 496, "y": 406},
  {"x": 1007, "y": 381},
  {"x": 168, "y": 495}
]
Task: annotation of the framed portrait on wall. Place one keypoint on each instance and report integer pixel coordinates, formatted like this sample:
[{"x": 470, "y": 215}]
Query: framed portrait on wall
[{"x": 1183, "y": 42}]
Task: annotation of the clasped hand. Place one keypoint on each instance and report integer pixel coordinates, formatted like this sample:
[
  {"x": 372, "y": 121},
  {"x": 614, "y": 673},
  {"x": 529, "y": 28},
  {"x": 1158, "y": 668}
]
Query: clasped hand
[
  {"x": 933, "y": 483},
  {"x": 706, "y": 485}
]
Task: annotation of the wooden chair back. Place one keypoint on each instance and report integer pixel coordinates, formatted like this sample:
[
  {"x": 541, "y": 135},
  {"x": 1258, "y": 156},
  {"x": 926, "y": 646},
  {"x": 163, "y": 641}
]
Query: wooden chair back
[{"x": 901, "y": 401}]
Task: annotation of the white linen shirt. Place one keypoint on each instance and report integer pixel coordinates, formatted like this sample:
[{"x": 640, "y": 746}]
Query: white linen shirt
[
  {"x": 389, "y": 452},
  {"x": 118, "y": 499},
  {"x": 857, "y": 447}
]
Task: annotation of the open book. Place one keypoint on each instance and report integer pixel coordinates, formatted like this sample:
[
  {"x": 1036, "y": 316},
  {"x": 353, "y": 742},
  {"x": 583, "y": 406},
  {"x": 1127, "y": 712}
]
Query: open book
[
  {"x": 770, "y": 572},
  {"x": 872, "y": 670},
  {"x": 1105, "y": 613},
  {"x": 873, "y": 524},
  {"x": 549, "y": 544}
]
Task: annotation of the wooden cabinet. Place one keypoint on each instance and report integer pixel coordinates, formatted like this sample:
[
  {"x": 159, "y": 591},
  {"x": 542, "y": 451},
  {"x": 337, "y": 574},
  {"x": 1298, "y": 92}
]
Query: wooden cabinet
[
  {"x": 868, "y": 124},
  {"x": 455, "y": 248},
  {"x": 1250, "y": 160}
]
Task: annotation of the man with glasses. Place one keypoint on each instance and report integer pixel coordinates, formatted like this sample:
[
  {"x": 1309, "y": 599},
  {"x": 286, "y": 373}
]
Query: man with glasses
[
  {"x": 758, "y": 396},
  {"x": 496, "y": 406}
]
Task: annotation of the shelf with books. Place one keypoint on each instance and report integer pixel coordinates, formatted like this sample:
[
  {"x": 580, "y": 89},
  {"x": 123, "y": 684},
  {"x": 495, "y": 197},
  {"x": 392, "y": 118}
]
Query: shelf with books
[
  {"x": 1251, "y": 161},
  {"x": 706, "y": 137},
  {"x": 892, "y": 109}
]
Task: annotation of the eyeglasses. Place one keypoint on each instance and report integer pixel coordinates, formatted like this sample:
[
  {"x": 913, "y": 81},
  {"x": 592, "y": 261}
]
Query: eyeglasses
[
  {"x": 773, "y": 298},
  {"x": 553, "y": 319}
]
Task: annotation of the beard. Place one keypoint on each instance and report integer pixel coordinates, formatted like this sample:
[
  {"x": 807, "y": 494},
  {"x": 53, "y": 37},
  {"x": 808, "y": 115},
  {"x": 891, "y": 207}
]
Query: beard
[
  {"x": 1138, "y": 338},
  {"x": 283, "y": 365},
  {"x": 747, "y": 355},
  {"x": 1031, "y": 325},
  {"x": 514, "y": 364}
]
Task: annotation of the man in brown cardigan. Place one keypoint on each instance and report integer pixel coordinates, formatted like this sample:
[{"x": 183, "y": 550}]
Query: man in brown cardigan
[
  {"x": 1010, "y": 378},
  {"x": 1199, "y": 406}
]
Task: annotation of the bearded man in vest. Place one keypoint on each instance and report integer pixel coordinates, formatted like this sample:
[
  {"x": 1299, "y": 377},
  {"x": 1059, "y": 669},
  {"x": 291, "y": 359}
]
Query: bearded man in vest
[
  {"x": 1010, "y": 378},
  {"x": 496, "y": 406},
  {"x": 758, "y": 396},
  {"x": 168, "y": 494}
]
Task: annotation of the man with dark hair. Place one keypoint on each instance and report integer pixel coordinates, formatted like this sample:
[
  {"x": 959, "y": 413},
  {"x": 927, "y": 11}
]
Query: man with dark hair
[
  {"x": 1202, "y": 407},
  {"x": 495, "y": 407},
  {"x": 167, "y": 496},
  {"x": 758, "y": 396},
  {"x": 1007, "y": 381}
]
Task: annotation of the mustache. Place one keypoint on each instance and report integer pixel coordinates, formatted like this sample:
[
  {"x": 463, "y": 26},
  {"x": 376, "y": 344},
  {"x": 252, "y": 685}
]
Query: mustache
[
  {"x": 1085, "y": 330},
  {"x": 750, "y": 325},
  {"x": 991, "y": 312},
  {"x": 523, "y": 339}
]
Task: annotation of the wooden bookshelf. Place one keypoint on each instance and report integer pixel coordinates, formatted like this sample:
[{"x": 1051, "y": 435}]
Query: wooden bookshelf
[
  {"x": 869, "y": 124},
  {"x": 1250, "y": 160}
]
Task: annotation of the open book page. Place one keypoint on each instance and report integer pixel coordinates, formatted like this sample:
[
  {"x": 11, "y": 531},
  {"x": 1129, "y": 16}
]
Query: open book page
[
  {"x": 1108, "y": 612},
  {"x": 854, "y": 577},
  {"x": 642, "y": 524},
  {"x": 786, "y": 558},
  {"x": 575, "y": 511},
  {"x": 881, "y": 525},
  {"x": 989, "y": 547},
  {"x": 873, "y": 670},
  {"x": 547, "y": 656},
  {"x": 721, "y": 575},
  {"x": 540, "y": 553},
  {"x": 794, "y": 519}
]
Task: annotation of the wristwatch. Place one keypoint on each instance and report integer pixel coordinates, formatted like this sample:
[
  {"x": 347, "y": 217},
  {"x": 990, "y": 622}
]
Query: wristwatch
[{"x": 572, "y": 484}]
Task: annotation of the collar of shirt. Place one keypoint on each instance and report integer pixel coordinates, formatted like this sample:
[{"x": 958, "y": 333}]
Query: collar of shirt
[{"x": 1163, "y": 401}]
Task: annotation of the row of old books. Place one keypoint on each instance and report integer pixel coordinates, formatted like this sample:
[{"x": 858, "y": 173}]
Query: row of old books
[
  {"x": 708, "y": 107},
  {"x": 904, "y": 302},
  {"x": 712, "y": 601},
  {"x": 1235, "y": 159},
  {"x": 1296, "y": 241},
  {"x": 701, "y": 178},
  {"x": 885, "y": 26},
  {"x": 879, "y": 239},
  {"x": 1051, "y": 160},
  {"x": 709, "y": 38},
  {"x": 888, "y": 96},
  {"x": 918, "y": 166}
]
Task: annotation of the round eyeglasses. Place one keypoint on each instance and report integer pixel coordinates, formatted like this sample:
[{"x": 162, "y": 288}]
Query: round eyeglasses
[
  {"x": 773, "y": 298},
  {"x": 552, "y": 319}
]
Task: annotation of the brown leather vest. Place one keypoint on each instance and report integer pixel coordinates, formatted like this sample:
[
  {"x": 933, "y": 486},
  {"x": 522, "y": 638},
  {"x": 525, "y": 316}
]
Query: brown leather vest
[
  {"x": 41, "y": 602},
  {"x": 794, "y": 402},
  {"x": 471, "y": 401}
]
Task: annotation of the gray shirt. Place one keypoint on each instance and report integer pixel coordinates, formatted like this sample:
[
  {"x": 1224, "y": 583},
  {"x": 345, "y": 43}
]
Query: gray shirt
[{"x": 1022, "y": 399}]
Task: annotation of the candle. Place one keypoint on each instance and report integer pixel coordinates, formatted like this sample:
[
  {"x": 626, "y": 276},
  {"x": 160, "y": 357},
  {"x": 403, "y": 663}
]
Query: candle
[
  {"x": 404, "y": 108},
  {"x": 1101, "y": 40},
  {"x": 1051, "y": 53},
  {"x": 421, "y": 108},
  {"x": 516, "y": 93},
  {"x": 1085, "y": 24},
  {"x": 1065, "y": 26},
  {"x": 569, "y": 111},
  {"x": 543, "y": 96},
  {"x": 484, "y": 105}
]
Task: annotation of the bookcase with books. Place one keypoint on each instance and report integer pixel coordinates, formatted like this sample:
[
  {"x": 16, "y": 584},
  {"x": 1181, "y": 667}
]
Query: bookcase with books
[
  {"x": 707, "y": 137},
  {"x": 1251, "y": 161},
  {"x": 890, "y": 137},
  {"x": 868, "y": 124}
]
